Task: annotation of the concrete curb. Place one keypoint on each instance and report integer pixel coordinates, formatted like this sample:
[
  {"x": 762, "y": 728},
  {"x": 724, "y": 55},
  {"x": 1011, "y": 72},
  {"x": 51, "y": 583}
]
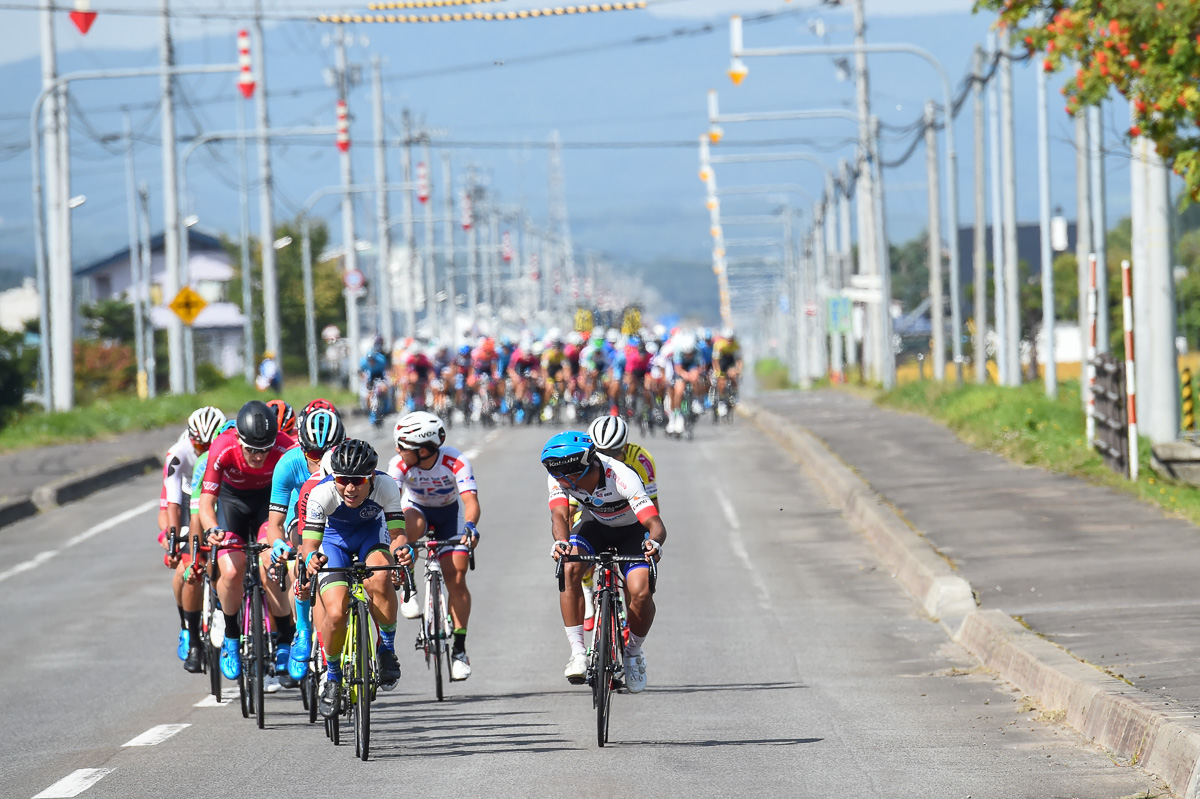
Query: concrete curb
[
  {"x": 76, "y": 486},
  {"x": 1107, "y": 711}
]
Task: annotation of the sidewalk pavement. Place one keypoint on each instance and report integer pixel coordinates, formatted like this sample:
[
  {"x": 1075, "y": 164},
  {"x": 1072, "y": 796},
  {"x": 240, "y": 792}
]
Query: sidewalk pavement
[
  {"x": 65, "y": 472},
  {"x": 1114, "y": 581}
]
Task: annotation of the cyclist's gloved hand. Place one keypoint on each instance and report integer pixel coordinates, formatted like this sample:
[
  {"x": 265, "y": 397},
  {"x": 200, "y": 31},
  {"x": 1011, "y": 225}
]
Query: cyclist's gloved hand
[
  {"x": 280, "y": 550},
  {"x": 214, "y": 536},
  {"x": 470, "y": 535},
  {"x": 314, "y": 561},
  {"x": 560, "y": 548},
  {"x": 404, "y": 555},
  {"x": 652, "y": 548}
]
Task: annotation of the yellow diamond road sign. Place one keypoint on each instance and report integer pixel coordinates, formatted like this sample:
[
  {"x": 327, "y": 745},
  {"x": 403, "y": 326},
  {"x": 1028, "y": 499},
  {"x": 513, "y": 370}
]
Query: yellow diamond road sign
[{"x": 187, "y": 305}]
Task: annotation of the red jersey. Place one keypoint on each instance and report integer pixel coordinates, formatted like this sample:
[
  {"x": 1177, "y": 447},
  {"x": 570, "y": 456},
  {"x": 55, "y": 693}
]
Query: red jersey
[
  {"x": 227, "y": 464},
  {"x": 636, "y": 360}
]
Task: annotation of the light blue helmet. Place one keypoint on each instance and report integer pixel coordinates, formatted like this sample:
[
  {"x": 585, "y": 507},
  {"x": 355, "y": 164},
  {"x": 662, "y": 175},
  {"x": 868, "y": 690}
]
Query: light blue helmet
[{"x": 568, "y": 453}]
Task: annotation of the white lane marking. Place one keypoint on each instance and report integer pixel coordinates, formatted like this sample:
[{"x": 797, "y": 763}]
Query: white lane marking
[
  {"x": 227, "y": 696},
  {"x": 156, "y": 735},
  {"x": 473, "y": 452},
  {"x": 74, "y": 783},
  {"x": 737, "y": 541},
  {"x": 91, "y": 532}
]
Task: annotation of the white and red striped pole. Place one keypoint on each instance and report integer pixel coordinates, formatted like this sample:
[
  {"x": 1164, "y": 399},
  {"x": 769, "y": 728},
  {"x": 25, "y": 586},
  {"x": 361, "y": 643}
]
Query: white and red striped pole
[
  {"x": 343, "y": 127},
  {"x": 1130, "y": 382},
  {"x": 422, "y": 182},
  {"x": 1090, "y": 367},
  {"x": 245, "y": 76}
]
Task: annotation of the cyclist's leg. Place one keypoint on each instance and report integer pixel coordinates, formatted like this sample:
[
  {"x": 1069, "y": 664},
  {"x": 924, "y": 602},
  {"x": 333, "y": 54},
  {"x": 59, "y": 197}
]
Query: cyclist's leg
[
  {"x": 333, "y": 597},
  {"x": 454, "y": 558}
]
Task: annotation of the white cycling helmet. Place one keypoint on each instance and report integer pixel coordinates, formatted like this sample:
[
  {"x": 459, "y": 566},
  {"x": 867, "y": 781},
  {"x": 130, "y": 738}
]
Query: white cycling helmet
[
  {"x": 652, "y": 347},
  {"x": 538, "y": 348},
  {"x": 575, "y": 338},
  {"x": 609, "y": 433},
  {"x": 685, "y": 342},
  {"x": 205, "y": 423},
  {"x": 418, "y": 429},
  {"x": 613, "y": 335}
]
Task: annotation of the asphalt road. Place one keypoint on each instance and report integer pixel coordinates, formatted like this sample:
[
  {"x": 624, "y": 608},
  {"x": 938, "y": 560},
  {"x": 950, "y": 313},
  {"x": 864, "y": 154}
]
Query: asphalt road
[{"x": 782, "y": 662}]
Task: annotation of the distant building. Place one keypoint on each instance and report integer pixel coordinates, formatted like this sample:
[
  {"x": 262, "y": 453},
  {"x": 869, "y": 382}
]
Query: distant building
[{"x": 218, "y": 329}]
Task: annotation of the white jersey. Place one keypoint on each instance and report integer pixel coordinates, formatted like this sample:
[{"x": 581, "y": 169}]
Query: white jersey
[
  {"x": 619, "y": 499},
  {"x": 439, "y": 485},
  {"x": 326, "y": 510},
  {"x": 177, "y": 471}
]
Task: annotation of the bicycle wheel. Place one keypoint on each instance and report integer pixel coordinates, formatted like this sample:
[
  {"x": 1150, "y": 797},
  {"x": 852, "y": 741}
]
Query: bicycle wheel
[
  {"x": 437, "y": 636},
  {"x": 602, "y": 678},
  {"x": 363, "y": 677},
  {"x": 259, "y": 655}
]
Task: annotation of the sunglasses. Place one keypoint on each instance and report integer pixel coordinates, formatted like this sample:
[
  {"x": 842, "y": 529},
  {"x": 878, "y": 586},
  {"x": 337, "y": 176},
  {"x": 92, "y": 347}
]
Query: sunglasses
[
  {"x": 254, "y": 450},
  {"x": 567, "y": 475},
  {"x": 350, "y": 480},
  {"x": 314, "y": 454}
]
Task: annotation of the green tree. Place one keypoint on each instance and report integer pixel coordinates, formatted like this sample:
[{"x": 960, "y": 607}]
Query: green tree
[
  {"x": 910, "y": 271},
  {"x": 1148, "y": 50},
  {"x": 328, "y": 302},
  {"x": 18, "y": 371}
]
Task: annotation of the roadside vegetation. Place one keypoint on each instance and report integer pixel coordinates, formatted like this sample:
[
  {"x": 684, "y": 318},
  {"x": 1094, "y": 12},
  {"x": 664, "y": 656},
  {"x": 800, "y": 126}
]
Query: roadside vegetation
[
  {"x": 113, "y": 415},
  {"x": 1023, "y": 425}
]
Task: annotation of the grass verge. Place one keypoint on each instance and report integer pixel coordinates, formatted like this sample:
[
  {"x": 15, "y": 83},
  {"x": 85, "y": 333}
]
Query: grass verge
[
  {"x": 104, "y": 418},
  {"x": 1025, "y": 426}
]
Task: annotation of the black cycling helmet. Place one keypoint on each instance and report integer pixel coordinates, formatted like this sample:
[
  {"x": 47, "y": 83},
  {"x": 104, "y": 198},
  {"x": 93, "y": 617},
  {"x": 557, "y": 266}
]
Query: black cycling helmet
[
  {"x": 257, "y": 425},
  {"x": 354, "y": 458}
]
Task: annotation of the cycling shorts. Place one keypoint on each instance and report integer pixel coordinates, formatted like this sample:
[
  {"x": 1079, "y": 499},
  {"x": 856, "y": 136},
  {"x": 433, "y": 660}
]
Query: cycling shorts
[
  {"x": 340, "y": 548},
  {"x": 240, "y": 511},
  {"x": 442, "y": 525},
  {"x": 591, "y": 537}
]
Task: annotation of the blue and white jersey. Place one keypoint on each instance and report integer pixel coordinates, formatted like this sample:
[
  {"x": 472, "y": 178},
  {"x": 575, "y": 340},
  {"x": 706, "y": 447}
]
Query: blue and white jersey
[
  {"x": 290, "y": 473},
  {"x": 328, "y": 512}
]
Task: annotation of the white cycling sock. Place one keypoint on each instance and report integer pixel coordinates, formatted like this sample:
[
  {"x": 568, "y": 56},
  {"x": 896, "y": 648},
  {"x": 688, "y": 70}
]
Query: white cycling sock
[
  {"x": 634, "y": 647},
  {"x": 575, "y": 637}
]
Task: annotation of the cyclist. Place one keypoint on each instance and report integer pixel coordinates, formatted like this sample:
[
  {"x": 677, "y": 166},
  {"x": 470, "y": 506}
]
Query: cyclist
[
  {"x": 285, "y": 415},
  {"x": 374, "y": 367},
  {"x": 321, "y": 403},
  {"x": 434, "y": 477},
  {"x": 617, "y": 513},
  {"x": 318, "y": 432},
  {"x": 688, "y": 368},
  {"x": 610, "y": 434},
  {"x": 238, "y": 473},
  {"x": 178, "y": 468},
  {"x": 354, "y": 514},
  {"x": 728, "y": 355}
]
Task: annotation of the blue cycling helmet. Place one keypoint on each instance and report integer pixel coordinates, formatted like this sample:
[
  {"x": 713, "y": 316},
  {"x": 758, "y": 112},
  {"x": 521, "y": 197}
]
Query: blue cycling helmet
[
  {"x": 635, "y": 340},
  {"x": 568, "y": 453},
  {"x": 464, "y": 349},
  {"x": 232, "y": 423}
]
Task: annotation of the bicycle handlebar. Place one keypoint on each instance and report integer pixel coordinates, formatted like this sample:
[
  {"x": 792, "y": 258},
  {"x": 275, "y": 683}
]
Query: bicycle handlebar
[
  {"x": 408, "y": 583},
  {"x": 607, "y": 557}
]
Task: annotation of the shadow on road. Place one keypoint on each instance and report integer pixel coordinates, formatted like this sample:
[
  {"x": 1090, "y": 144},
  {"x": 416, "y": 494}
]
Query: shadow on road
[
  {"x": 739, "y": 742},
  {"x": 740, "y": 686}
]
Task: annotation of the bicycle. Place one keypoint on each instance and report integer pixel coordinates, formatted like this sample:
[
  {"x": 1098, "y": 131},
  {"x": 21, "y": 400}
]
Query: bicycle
[
  {"x": 256, "y": 650},
  {"x": 360, "y": 668},
  {"x": 437, "y": 626},
  {"x": 212, "y": 620},
  {"x": 607, "y": 654}
]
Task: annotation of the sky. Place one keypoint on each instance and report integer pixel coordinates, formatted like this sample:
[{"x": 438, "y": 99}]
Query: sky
[{"x": 477, "y": 86}]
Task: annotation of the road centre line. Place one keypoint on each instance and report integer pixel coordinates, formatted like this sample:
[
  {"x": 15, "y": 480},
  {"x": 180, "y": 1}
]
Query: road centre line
[
  {"x": 91, "y": 532},
  {"x": 74, "y": 783},
  {"x": 156, "y": 735}
]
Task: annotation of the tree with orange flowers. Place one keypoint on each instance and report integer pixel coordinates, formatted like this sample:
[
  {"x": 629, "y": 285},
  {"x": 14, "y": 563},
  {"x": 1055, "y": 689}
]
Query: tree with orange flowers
[{"x": 1147, "y": 50}]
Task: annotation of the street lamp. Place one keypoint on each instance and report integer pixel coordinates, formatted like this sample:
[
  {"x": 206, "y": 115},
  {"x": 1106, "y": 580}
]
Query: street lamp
[
  {"x": 76, "y": 201},
  {"x": 280, "y": 243}
]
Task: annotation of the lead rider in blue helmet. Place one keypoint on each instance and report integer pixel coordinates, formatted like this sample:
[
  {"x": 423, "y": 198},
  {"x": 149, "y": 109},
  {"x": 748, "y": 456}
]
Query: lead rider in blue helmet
[{"x": 615, "y": 512}]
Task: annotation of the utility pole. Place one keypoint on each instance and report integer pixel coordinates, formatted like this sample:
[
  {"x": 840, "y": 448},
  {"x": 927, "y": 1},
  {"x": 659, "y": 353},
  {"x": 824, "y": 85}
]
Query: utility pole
[
  {"x": 816, "y": 279},
  {"x": 135, "y": 270},
  {"x": 887, "y": 354},
  {"x": 448, "y": 251},
  {"x": 266, "y": 203},
  {"x": 431, "y": 315},
  {"x": 493, "y": 293},
  {"x": 1083, "y": 237},
  {"x": 1099, "y": 225},
  {"x": 1012, "y": 288},
  {"x": 248, "y": 367},
  {"x": 383, "y": 263},
  {"x": 350, "y": 257},
  {"x": 170, "y": 209},
  {"x": 1163, "y": 396},
  {"x": 472, "y": 244},
  {"x": 560, "y": 223},
  {"x": 868, "y": 222},
  {"x": 844, "y": 252},
  {"x": 1145, "y": 362},
  {"x": 63, "y": 285},
  {"x": 144, "y": 263},
  {"x": 1049, "y": 357},
  {"x": 54, "y": 201},
  {"x": 410, "y": 281},
  {"x": 998, "y": 239},
  {"x": 837, "y": 360},
  {"x": 980, "y": 254},
  {"x": 937, "y": 311}
]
